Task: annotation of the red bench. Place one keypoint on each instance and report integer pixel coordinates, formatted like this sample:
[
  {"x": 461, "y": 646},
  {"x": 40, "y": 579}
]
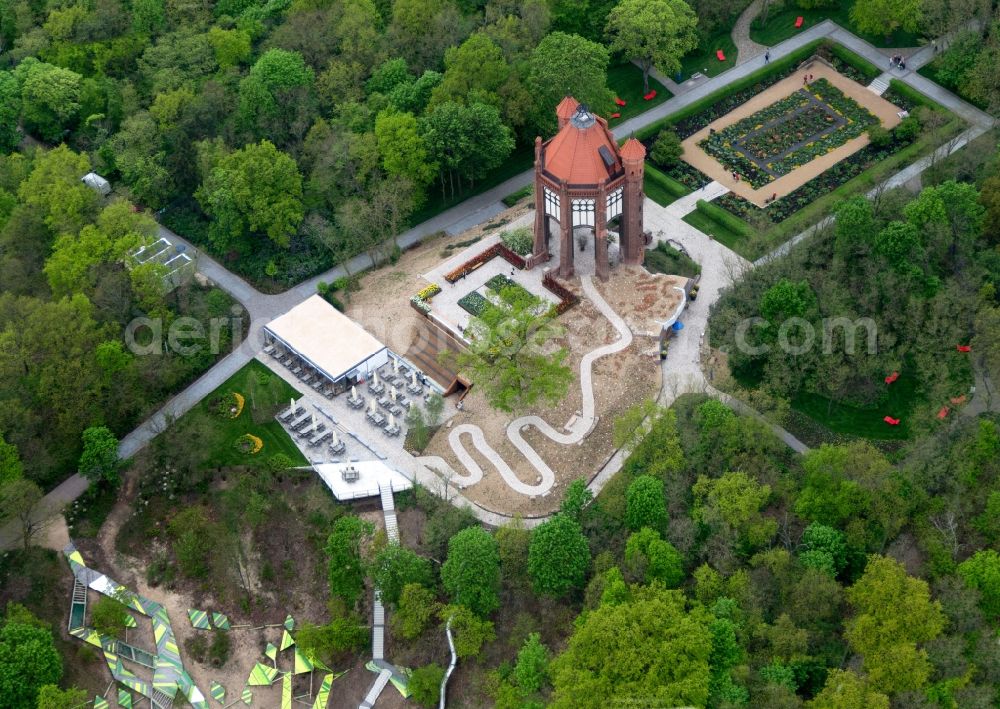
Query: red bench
[
  {"x": 798, "y": 21},
  {"x": 619, "y": 102},
  {"x": 892, "y": 377},
  {"x": 651, "y": 95},
  {"x": 891, "y": 421},
  {"x": 963, "y": 348},
  {"x": 943, "y": 412},
  {"x": 616, "y": 115},
  {"x": 720, "y": 55}
]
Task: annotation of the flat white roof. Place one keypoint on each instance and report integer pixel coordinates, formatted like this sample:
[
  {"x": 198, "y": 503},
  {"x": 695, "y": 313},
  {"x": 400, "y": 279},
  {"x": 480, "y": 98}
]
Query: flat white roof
[
  {"x": 325, "y": 337},
  {"x": 373, "y": 475}
]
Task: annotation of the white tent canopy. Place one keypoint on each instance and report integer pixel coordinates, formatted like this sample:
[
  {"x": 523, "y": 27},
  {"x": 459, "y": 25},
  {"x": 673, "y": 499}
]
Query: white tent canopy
[{"x": 328, "y": 340}]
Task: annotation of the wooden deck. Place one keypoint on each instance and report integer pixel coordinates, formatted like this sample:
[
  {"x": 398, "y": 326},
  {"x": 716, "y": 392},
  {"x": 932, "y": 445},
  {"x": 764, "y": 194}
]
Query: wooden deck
[{"x": 429, "y": 343}]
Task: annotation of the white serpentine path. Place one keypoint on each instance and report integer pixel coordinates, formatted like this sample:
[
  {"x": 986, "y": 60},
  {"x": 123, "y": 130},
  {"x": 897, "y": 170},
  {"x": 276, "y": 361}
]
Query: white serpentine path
[{"x": 581, "y": 426}]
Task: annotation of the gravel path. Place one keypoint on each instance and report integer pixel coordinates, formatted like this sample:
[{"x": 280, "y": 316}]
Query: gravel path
[
  {"x": 581, "y": 426},
  {"x": 747, "y": 49}
]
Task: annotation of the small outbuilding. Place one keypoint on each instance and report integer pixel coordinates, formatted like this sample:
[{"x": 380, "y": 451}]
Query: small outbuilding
[{"x": 97, "y": 183}]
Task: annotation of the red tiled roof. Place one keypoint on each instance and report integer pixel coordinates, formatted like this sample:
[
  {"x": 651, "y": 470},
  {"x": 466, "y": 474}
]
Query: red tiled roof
[
  {"x": 566, "y": 108},
  {"x": 574, "y": 154},
  {"x": 633, "y": 150}
]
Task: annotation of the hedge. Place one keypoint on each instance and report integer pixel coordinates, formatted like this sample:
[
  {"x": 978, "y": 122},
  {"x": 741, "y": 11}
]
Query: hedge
[
  {"x": 911, "y": 94},
  {"x": 670, "y": 185},
  {"x": 858, "y": 62},
  {"x": 718, "y": 214}
]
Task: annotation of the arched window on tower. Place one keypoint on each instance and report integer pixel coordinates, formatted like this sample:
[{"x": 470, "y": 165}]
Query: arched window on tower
[
  {"x": 615, "y": 203},
  {"x": 552, "y": 203},
  {"x": 583, "y": 212}
]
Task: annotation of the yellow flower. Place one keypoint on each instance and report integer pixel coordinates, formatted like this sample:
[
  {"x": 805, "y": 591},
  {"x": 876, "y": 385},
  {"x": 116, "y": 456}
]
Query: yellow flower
[{"x": 238, "y": 409}]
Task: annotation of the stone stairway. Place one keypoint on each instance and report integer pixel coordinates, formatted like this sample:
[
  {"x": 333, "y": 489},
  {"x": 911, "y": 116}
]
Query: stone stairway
[
  {"x": 376, "y": 689},
  {"x": 389, "y": 510},
  {"x": 880, "y": 84}
]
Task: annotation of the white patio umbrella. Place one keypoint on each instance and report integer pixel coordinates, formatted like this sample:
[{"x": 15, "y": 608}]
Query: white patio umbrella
[
  {"x": 395, "y": 366},
  {"x": 392, "y": 421},
  {"x": 414, "y": 378},
  {"x": 354, "y": 392},
  {"x": 392, "y": 394},
  {"x": 371, "y": 406},
  {"x": 336, "y": 439},
  {"x": 375, "y": 378}
]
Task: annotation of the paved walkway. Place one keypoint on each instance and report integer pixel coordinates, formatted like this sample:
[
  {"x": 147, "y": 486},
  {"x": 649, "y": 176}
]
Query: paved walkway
[
  {"x": 264, "y": 307},
  {"x": 746, "y": 48}
]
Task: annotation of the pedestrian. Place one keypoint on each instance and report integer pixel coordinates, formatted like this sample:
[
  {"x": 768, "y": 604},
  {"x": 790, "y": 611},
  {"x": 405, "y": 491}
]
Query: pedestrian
[
  {"x": 737, "y": 177},
  {"x": 805, "y": 79},
  {"x": 902, "y": 63},
  {"x": 774, "y": 196},
  {"x": 767, "y": 56},
  {"x": 810, "y": 78}
]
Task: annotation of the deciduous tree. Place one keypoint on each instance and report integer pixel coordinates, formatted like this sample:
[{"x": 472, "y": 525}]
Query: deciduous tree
[
  {"x": 256, "y": 190},
  {"x": 645, "y": 504},
  {"x": 654, "y": 32},
  {"x": 99, "y": 461},
  {"x": 650, "y": 645},
  {"x": 558, "y": 557},
  {"x": 883, "y": 17},
  {"x": 396, "y": 566},
  {"x": 471, "y": 573},
  {"x": 30, "y": 661},
  {"x": 509, "y": 355}
]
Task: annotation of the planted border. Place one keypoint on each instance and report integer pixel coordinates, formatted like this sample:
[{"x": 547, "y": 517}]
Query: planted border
[{"x": 489, "y": 254}]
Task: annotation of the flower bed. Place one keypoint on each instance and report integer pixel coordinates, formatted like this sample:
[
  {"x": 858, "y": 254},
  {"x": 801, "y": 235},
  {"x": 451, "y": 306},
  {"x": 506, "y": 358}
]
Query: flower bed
[
  {"x": 476, "y": 261},
  {"x": 789, "y": 133},
  {"x": 474, "y": 304},
  {"x": 249, "y": 444},
  {"x": 429, "y": 292},
  {"x": 827, "y": 181}
]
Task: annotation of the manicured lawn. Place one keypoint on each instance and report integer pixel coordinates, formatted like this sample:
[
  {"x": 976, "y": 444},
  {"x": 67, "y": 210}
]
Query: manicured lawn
[
  {"x": 716, "y": 230},
  {"x": 215, "y": 435},
  {"x": 865, "y": 422},
  {"x": 625, "y": 80},
  {"x": 781, "y": 25},
  {"x": 703, "y": 59}
]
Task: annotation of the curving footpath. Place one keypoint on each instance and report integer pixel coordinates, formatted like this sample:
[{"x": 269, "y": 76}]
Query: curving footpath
[{"x": 581, "y": 426}]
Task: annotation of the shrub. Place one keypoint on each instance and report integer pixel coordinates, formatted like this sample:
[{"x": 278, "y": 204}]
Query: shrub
[
  {"x": 468, "y": 630},
  {"x": 343, "y": 548},
  {"x": 218, "y": 651},
  {"x": 666, "y": 148},
  {"x": 425, "y": 685},
  {"x": 417, "y": 607},
  {"x": 531, "y": 670},
  {"x": 278, "y": 462},
  {"x": 651, "y": 558},
  {"x": 521, "y": 241},
  {"x": 396, "y": 566},
  {"x": 908, "y": 129},
  {"x": 879, "y": 136}
]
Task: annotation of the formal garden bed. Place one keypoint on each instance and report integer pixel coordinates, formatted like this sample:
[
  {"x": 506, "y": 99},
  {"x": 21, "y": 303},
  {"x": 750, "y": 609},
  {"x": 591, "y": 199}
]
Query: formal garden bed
[{"x": 789, "y": 133}]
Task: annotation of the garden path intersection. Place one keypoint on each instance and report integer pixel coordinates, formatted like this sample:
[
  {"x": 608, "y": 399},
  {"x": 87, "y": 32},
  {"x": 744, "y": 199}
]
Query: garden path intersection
[{"x": 262, "y": 308}]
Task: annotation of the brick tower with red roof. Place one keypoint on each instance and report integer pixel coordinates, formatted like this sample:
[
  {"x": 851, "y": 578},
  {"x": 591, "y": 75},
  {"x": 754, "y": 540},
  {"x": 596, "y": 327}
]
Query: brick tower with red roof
[{"x": 584, "y": 181}]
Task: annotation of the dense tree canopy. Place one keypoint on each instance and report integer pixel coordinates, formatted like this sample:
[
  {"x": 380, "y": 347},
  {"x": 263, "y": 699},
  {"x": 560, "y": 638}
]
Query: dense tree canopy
[{"x": 471, "y": 573}]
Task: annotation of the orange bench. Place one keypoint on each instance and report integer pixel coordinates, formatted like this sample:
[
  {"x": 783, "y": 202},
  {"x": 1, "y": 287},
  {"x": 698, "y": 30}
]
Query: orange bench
[
  {"x": 720, "y": 55},
  {"x": 798, "y": 21}
]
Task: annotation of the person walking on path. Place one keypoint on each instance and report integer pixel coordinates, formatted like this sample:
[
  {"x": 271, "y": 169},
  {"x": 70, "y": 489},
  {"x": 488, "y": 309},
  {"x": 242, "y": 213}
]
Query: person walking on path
[{"x": 767, "y": 56}]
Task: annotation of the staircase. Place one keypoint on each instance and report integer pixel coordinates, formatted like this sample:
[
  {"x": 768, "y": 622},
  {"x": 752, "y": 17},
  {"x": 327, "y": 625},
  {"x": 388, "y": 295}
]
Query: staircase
[
  {"x": 376, "y": 689},
  {"x": 161, "y": 700},
  {"x": 389, "y": 510},
  {"x": 880, "y": 85}
]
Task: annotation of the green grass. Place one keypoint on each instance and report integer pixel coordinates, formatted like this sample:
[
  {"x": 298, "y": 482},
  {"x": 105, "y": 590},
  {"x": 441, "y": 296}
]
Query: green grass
[
  {"x": 625, "y": 81},
  {"x": 265, "y": 393},
  {"x": 702, "y": 59},
  {"x": 718, "y": 231},
  {"x": 781, "y": 25},
  {"x": 662, "y": 188},
  {"x": 866, "y": 422}
]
